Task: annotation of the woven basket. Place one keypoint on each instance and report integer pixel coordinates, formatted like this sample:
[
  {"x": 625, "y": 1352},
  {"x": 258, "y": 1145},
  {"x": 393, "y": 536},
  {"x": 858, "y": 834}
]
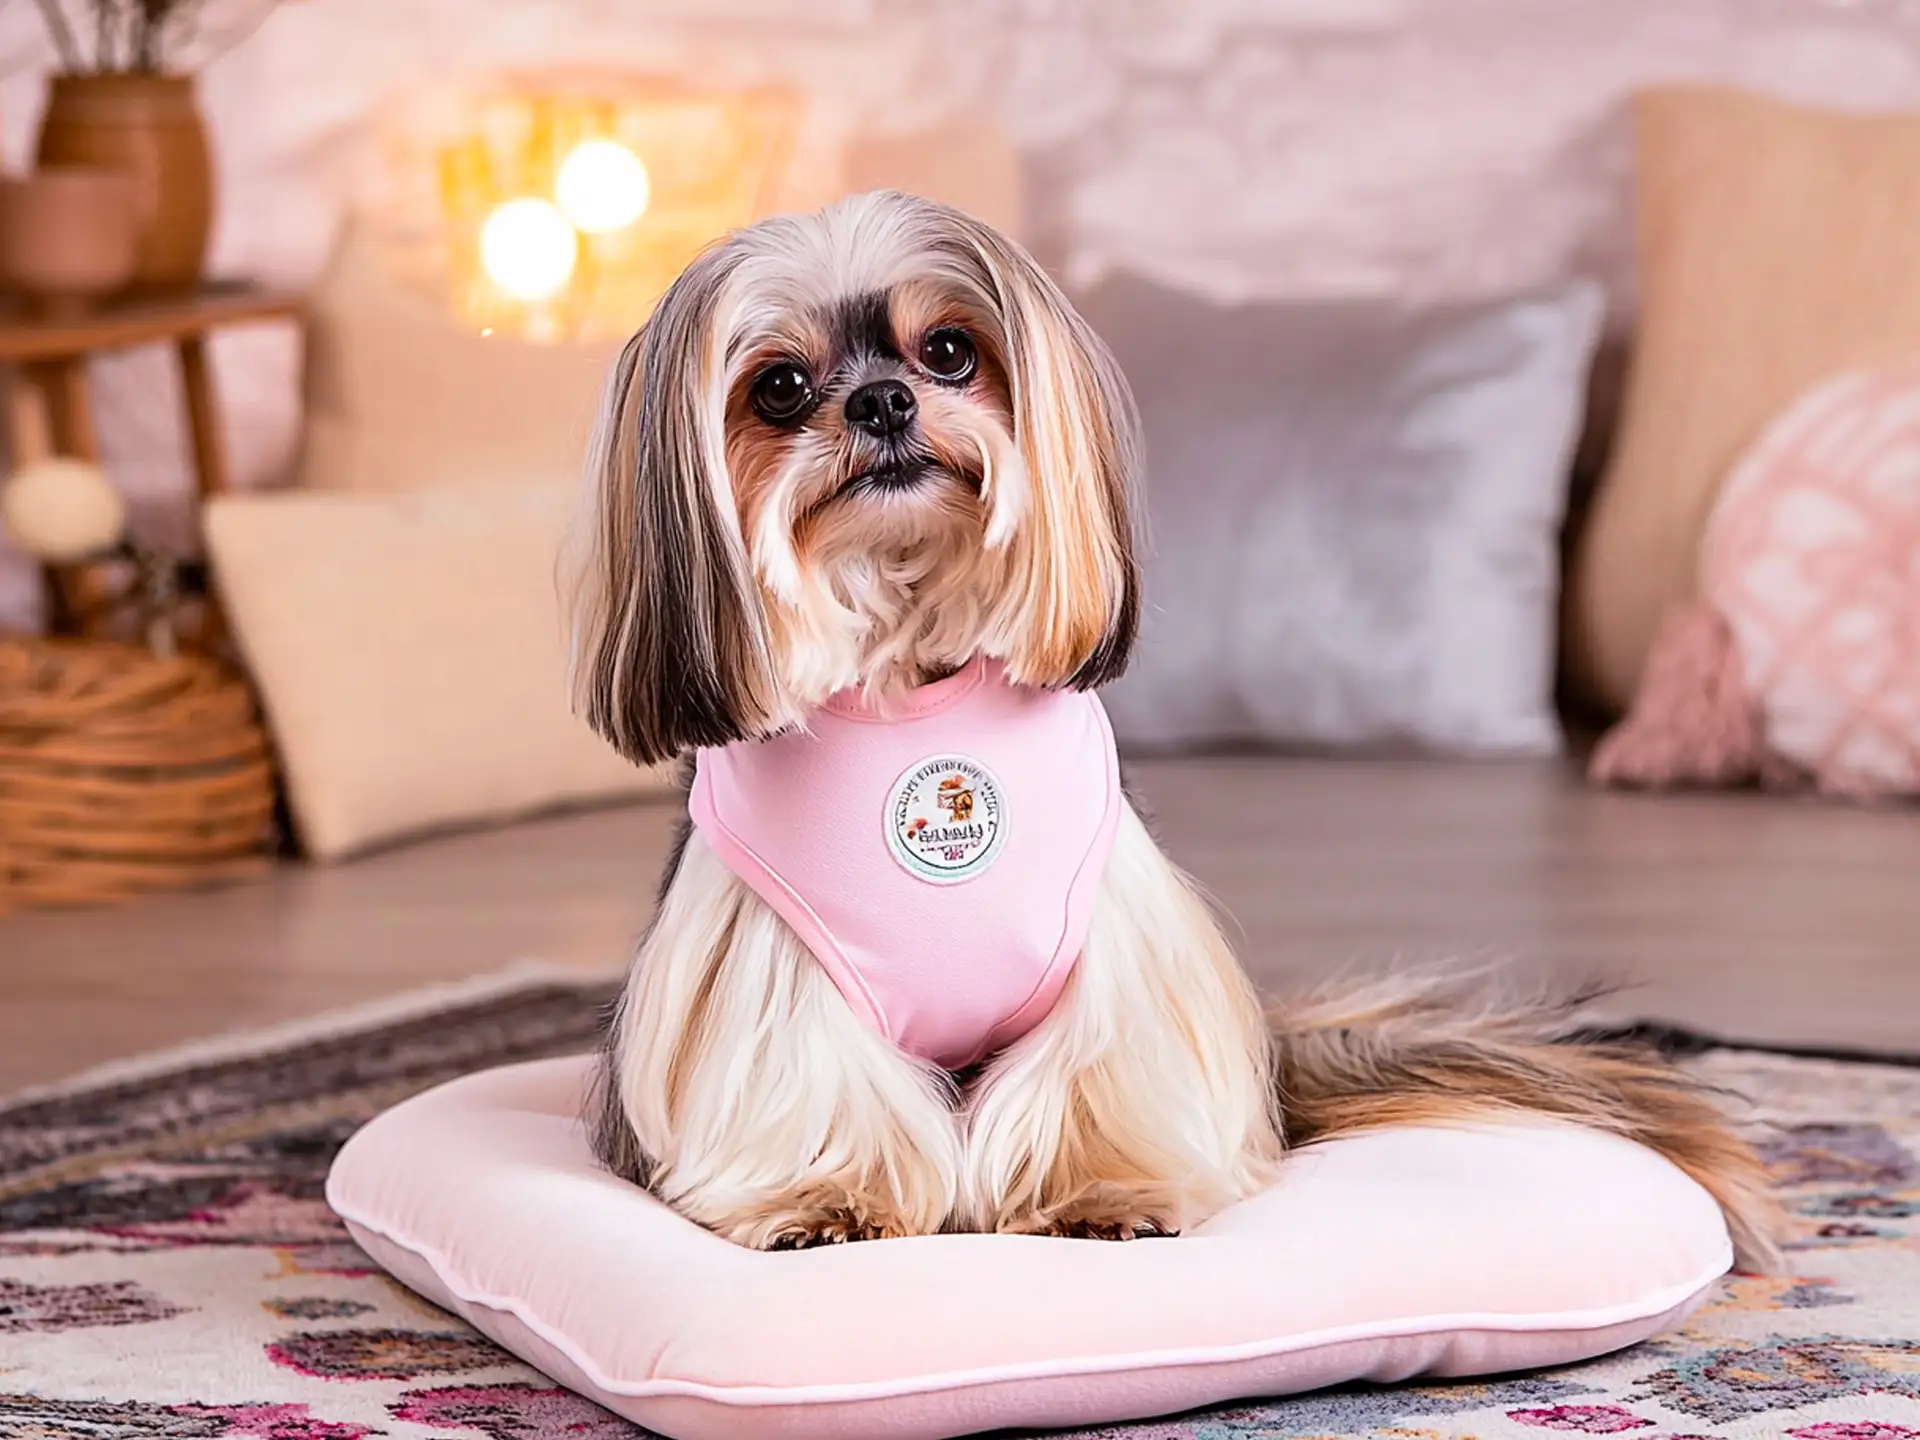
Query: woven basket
[{"x": 122, "y": 773}]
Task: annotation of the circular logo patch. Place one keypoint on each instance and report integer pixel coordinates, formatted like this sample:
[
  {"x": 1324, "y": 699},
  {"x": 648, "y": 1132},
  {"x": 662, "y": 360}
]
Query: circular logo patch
[{"x": 945, "y": 819}]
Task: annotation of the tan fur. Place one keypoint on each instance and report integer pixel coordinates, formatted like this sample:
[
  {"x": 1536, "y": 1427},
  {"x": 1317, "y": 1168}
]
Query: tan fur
[
  {"x": 731, "y": 572},
  {"x": 1422, "y": 1048},
  {"x": 767, "y": 1110},
  {"x": 1142, "y": 1101},
  {"x": 1072, "y": 576}
]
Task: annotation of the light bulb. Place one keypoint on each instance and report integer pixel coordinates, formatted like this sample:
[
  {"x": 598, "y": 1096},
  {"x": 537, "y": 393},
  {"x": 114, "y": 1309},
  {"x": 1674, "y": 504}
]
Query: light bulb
[
  {"x": 527, "y": 247},
  {"x": 602, "y": 186}
]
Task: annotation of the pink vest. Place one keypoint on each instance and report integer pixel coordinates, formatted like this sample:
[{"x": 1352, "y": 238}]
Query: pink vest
[{"x": 940, "y": 859}]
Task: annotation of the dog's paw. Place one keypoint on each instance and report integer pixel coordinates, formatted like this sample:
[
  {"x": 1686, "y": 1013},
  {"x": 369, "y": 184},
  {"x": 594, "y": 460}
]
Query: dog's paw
[
  {"x": 1122, "y": 1229},
  {"x": 808, "y": 1224},
  {"x": 832, "y": 1227},
  {"x": 1078, "y": 1222}
]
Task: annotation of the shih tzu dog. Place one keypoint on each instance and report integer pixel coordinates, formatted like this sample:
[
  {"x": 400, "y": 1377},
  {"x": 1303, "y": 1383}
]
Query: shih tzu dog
[{"x": 859, "y": 537}]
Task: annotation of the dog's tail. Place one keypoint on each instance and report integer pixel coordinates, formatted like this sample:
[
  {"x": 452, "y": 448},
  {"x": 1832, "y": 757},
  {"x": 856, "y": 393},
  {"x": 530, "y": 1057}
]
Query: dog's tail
[{"x": 1421, "y": 1048}]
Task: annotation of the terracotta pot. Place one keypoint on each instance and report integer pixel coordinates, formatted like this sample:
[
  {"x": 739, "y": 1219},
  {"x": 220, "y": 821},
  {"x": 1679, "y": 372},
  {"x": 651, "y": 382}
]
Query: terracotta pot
[
  {"x": 67, "y": 236},
  {"x": 149, "y": 126}
]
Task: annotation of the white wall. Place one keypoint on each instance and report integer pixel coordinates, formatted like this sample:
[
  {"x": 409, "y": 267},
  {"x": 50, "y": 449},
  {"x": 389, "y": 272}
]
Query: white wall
[{"x": 1411, "y": 147}]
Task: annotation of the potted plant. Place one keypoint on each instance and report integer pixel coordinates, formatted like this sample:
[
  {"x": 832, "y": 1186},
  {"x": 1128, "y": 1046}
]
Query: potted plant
[{"x": 124, "y": 98}]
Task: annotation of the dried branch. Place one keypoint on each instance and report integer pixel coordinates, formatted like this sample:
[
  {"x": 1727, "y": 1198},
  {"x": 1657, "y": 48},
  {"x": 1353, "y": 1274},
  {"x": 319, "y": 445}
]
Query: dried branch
[
  {"x": 143, "y": 36},
  {"x": 181, "y": 29},
  {"x": 124, "y": 47},
  {"x": 152, "y": 16},
  {"x": 71, "y": 60},
  {"x": 103, "y": 18}
]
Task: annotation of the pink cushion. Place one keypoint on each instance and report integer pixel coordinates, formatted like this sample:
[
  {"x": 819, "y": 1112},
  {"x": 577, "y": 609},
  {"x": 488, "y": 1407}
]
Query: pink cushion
[
  {"x": 1810, "y": 556},
  {"x": 1438, "y": 1252}
]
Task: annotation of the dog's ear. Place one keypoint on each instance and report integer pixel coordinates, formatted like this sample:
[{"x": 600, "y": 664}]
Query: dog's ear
[
  {"x": 669, "y": 636},
  {"x": 1078, "y": 435}
]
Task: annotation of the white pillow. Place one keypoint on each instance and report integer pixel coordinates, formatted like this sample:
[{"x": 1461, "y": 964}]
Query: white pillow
[
  {"x": 1437, "y": 1252},
  {"x": 1354, "y": 518},
  {"x": 411, "y": 656}
]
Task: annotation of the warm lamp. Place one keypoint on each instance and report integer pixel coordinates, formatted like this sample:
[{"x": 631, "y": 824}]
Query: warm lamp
[
  {"x": 602, "y": 187},
  {"x": 527, "y": 248},
  {"x": 559, "y": 208}
]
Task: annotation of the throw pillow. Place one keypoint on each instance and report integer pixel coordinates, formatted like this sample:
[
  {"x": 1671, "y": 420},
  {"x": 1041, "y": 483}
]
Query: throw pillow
[
  {"x": 411, "y": 657},
  {"x": 1353, "y": 514},
  {"x": 402, "y": 396},
  {"x": 1775, "y": 248},
  {"x": 1800, "y": 660}
]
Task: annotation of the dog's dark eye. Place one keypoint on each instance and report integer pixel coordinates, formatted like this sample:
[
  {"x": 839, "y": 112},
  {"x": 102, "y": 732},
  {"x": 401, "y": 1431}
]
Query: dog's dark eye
[
  {"x": 948, "y": 353},
  {"x": 781, "y": 392}
]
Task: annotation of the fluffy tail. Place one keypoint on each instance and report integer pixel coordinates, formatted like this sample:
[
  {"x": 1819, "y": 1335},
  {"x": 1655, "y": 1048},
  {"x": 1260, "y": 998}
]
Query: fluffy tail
[{"x": 1407, "y": 1049}]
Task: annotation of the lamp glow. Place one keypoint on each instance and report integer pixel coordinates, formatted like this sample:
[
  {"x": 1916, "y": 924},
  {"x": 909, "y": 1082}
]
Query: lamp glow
[
  {"x": 602, "y": 186},
  {"x": 528, "y": 248}
]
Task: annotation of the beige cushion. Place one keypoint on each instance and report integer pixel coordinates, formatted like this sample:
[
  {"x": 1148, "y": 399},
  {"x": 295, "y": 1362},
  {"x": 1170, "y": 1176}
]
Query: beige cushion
[
  {"x": 411, "y": 656},
  {"x": 1776, "y": 247},
  {"x": 403, "y": 396}
]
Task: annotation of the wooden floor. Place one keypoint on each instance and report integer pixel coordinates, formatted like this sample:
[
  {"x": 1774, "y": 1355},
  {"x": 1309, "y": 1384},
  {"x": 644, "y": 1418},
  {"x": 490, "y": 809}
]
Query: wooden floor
[{"x": 1755, "y": 918}]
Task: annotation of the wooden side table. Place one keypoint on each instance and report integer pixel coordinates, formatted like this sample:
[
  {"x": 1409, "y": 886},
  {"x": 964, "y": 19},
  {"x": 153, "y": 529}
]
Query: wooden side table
[{"x": 50, "y": 355}]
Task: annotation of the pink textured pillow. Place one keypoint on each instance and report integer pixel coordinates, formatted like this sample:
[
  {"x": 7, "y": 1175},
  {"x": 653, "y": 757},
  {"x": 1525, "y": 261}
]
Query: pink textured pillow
[
  {"x": 1801, "y": 658},
  {"x": 1410, "y": 1252}
]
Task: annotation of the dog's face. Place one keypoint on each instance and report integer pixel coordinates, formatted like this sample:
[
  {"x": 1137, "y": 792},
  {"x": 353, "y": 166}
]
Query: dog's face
[
  {"x": 956, "y": 798},
  {"x": 854, "y": 448}
]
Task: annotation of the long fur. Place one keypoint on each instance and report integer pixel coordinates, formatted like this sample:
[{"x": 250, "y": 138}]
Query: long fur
[
  {"x": 670, "y": 647},
  {"x": 744, "y": 1091},
  {"x": 1144, "y": 1096},
  {"x": 1425, "y": 1047},
  {"x": 732, "y": 568}
]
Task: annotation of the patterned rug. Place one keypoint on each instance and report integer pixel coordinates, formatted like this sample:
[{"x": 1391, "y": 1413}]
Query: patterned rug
[{"x": 169, "y": 1269}]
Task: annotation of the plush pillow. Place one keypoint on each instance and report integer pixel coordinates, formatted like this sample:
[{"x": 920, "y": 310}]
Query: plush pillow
[
  {"x": 1800, "y": 660},
  {"x": 1775, "y": 249},
  {"x": 1436, "y": 1252},
  {"x": 1354, "y": 513},
  {"x": 411, "y": 656},
  {"x": 403, "y": 396}
]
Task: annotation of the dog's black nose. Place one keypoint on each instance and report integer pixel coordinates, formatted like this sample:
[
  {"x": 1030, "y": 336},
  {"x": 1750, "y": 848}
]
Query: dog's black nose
[{"x": 882, "y": 407}]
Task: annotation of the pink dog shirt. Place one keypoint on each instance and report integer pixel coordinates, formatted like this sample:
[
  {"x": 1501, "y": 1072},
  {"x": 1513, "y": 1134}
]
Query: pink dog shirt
[{"x": 939, "y": 859}]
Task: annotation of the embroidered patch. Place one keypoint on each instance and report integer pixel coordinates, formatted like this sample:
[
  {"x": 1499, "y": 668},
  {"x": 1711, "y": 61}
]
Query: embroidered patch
[{"x": 946, "y": 816}]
